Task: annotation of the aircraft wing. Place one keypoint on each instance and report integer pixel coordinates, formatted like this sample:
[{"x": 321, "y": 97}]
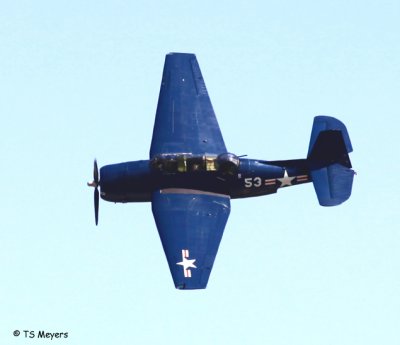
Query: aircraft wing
[
  {"x": 185, "y": 120},
  {"x": 190, "y": 224}
]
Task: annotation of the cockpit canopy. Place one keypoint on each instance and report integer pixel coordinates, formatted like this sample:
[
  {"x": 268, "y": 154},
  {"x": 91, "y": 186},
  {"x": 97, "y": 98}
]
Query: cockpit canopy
[{"x": 226, "y": 163}]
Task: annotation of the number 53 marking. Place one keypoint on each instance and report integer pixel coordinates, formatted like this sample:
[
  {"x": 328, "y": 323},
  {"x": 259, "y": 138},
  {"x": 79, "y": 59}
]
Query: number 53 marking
[{"x": 252, "y": 182}]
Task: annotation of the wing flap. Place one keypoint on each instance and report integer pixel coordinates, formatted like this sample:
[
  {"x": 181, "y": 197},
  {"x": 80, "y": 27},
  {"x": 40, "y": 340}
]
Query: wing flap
[{"x": 190, "y": 224}]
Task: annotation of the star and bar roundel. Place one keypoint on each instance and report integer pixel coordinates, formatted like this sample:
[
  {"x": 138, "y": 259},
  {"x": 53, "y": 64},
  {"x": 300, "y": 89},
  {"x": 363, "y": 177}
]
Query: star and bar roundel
[
  {"x": 187, "y": 263},
  {"x": 280, "y": 182}
]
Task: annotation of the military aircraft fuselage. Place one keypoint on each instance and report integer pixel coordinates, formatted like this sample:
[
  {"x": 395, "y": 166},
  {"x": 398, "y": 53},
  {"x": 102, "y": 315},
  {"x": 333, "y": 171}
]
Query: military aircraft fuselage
[{"x": 226, "y": 174}]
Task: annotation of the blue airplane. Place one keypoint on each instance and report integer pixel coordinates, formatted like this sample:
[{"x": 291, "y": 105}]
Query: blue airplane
[{"x": 191, "y": 177}]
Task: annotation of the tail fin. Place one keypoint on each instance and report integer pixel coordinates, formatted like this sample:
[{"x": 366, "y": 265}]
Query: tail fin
[{"x": 329, "y": 161}]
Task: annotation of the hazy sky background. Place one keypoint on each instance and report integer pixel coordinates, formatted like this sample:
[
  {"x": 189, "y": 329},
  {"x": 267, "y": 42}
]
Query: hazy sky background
[{"x": 80, "y": 79}]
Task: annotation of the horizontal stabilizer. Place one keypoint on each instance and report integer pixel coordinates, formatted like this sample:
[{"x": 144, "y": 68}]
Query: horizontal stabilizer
[
  {"x": 329, "y": 148},
  {"x": 332, "y": 184},
  {"x": 328, "y": 123},
  {"x": 329, "y": 162}
]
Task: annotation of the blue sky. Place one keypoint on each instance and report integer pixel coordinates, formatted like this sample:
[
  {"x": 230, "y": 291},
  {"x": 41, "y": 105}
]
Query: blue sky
[{"x": 81, "y": 79}]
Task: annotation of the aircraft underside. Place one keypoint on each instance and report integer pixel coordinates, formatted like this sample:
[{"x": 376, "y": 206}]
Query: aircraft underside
[
  {"x": 136, "y": 181},
  {"x": 190, "y": 177}
]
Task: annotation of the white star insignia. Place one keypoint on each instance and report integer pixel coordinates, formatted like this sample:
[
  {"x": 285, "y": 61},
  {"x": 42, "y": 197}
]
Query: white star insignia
[
  {"x": 187, "y": 263},
  {"x": 285, "y": 180}
]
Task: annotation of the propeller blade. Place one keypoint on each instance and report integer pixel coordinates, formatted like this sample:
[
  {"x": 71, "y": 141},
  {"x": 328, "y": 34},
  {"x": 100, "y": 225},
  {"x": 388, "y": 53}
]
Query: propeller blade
[
  {"x": 96, "y": 205},
  {"x": 95, "y": 172}
]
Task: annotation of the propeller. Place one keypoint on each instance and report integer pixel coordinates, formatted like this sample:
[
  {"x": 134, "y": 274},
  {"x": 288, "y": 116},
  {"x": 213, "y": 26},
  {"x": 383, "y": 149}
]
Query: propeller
[{"x": 95, "y": 184}]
